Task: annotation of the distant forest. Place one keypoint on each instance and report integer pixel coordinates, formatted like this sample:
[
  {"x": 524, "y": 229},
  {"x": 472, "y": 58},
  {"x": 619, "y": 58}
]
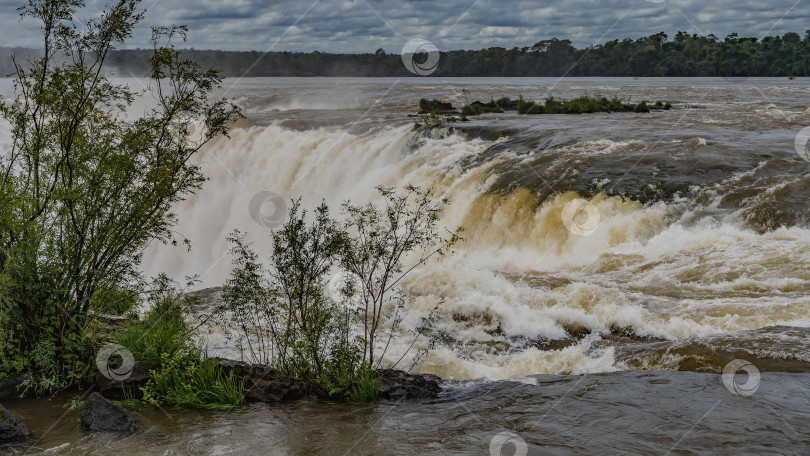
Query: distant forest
[{"x": 655, "y": 55}]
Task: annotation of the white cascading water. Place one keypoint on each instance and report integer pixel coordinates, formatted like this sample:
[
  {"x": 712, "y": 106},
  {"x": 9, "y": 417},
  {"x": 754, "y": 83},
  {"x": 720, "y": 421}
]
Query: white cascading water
[{"x": 519, "y": 274}]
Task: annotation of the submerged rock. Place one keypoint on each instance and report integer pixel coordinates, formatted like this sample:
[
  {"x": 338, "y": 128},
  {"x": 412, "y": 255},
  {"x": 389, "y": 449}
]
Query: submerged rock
[
  {"x": 397, "y": 384},
  {"x": 99, "y": 414},
  {"x": 263, "y": 383},
  {"x": 11, "y": 428},
  {"x": 127, "y": 388}
]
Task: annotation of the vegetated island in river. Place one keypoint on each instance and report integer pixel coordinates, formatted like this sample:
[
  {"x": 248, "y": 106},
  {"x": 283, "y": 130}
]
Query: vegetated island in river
[{"x": 432, "y": 109}]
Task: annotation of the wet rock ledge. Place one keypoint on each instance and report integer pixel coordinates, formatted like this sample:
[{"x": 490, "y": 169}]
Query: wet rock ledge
[{"x": 265, "y": 384}]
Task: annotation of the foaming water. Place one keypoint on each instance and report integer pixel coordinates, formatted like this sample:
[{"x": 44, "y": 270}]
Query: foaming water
[{"x": 688, "y": 243}]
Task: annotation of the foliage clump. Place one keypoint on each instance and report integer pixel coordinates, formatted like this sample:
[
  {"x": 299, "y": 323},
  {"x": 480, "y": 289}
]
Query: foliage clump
[
  {"x": 284, "y": 315},
  {"x": 180, "y": 372},
  {"x": 580, "y": 105},
  {"x": 84, "y": 187},
  {"x": 431, "y": 121},
  {"x": 585, "y": 104},
  {"x": 435, "y": 106},
  {"x": 162, "y": 332},
  {"x": 193, "y": 381}
]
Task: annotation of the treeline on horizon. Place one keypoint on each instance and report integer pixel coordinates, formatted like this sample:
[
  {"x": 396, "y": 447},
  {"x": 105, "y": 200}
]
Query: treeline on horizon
[{"x": 654, "y": 55}]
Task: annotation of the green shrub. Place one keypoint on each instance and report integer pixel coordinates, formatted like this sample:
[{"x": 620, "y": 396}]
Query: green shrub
[
  {"x": 506, "y": 103},
  {"x": 193, "y": 381},
  {"x": 582, "y": 105},
  {"x": 477, "y": 108},
  {"x": 284, "y": 317},
  {"x": 84, "y": 187},
  {"x": 523, "y": 106},
  {"x": 430, "y": 121},
  {"x": 115, "y": 299},
  {"x": 162, "y": 332},
  {"x": 435, "y": 107}
]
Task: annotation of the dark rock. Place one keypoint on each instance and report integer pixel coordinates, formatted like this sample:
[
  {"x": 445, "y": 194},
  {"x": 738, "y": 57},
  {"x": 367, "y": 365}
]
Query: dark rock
[
  {"x": 99, "y": 414},
  {"x": 262, "y": 383},
  {"x": 127, "y": 388},
  {"x": 397, "y": 384},
  {"x": 11, "y": 428},
  {"x": 8, "y": 386}
]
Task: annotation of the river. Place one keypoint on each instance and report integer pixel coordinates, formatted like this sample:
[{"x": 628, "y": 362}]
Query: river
[{"x": 612, "y": 266}]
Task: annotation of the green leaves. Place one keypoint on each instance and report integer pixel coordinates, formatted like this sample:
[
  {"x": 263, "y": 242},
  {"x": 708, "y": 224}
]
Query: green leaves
[
  {"x": 283, "y": 315},
  {"x": 381, "y": 237},
  {"x": 194, "y": 382},
  {"x": 85, "y": 187}
]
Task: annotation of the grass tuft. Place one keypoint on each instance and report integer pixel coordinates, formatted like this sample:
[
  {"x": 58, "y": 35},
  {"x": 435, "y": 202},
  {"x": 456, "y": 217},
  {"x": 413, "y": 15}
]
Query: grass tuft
[
  {"x": 194, "y": 382},
  {"x": 163, "y": 331}
]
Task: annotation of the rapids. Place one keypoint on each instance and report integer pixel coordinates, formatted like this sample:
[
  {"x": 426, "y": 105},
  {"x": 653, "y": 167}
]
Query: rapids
[{"x": 698, "y": 215}]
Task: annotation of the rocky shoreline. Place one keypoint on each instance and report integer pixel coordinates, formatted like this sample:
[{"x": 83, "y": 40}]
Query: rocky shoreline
[{"x": 261, "y": 384}]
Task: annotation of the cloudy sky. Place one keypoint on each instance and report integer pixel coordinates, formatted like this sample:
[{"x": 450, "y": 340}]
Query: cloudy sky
[{"x": 365, "y": 25}]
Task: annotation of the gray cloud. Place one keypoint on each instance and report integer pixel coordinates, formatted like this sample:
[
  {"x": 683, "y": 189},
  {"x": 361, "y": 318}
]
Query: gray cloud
[{"x": 363, "y": 26}]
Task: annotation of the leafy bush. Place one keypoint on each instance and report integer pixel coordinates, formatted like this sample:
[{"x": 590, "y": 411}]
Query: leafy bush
[
  {"x": 366, "y": 385},
  {"x": 163, "y": 332},
  {"x": 115, "y": 299},
  {"x": 283, "y": 315},
  {"x": 642, "y": 107},
  {"x": 380, "y": 236},
  {"x": 477, "y": 108},
  {"x": 435, "y": 107},
  {"x": 193, "y": 381},
  {"x": 84, "y": 188},
  {"x": 430, "y": 121},
  {"x": 583, "y": 104}
]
